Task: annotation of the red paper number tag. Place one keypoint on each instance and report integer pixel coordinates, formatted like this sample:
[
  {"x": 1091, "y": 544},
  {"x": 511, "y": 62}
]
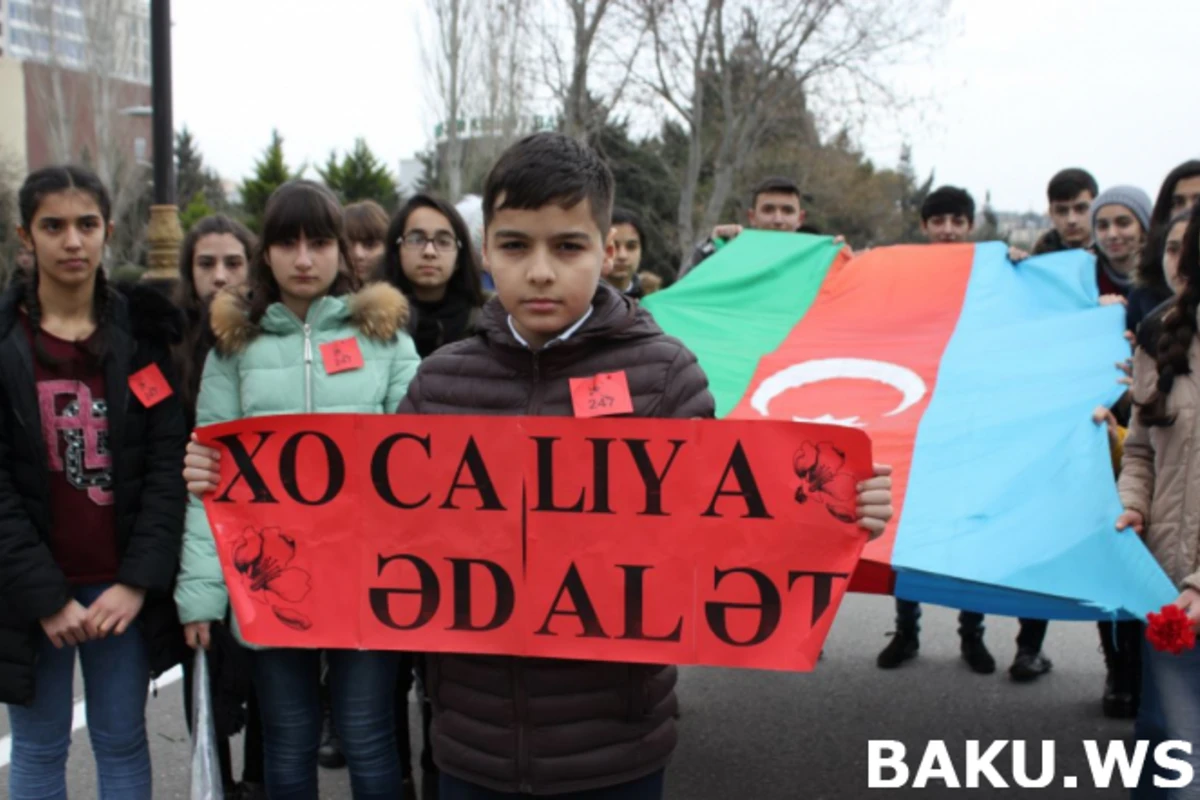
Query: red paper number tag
[
  {"x": 603, "y": 395},
  {"x": 341, "y": 356},
  {"x": 150, "y": 386}
]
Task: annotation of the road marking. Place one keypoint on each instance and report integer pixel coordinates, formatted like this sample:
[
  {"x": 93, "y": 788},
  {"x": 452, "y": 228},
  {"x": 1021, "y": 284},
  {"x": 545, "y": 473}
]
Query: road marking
[{"x": 79, "y": 716}]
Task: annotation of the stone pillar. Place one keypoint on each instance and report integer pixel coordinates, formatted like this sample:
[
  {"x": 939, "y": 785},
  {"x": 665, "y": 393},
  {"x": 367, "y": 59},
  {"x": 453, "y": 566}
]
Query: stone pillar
[{"x": 163, "y": 238}]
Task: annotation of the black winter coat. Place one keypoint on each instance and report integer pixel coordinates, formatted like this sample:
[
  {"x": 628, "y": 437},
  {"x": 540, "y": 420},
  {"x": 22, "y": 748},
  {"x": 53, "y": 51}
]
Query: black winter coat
[
  {"x": 536, "y": 725},
  {"x": 147, "y": 447}
]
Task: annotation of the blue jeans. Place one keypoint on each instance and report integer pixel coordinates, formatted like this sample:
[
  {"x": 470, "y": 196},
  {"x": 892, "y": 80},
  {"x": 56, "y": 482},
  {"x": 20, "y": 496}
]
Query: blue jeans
[
  {"x": 116, "y": 677},
  {"x": 362, "y": 685},
  {"x": 1175, "y": 701},
  {"x": 650, "y": 787},
  {"x": 1149, "y": 727}
]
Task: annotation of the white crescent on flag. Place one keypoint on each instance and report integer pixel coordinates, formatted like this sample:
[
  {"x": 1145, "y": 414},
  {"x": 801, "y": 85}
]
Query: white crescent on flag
[{"x": 904, "y": 380}]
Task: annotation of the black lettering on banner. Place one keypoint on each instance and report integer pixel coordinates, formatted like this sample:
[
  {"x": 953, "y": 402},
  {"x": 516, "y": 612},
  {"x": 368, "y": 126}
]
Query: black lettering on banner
[
  {"x": 769, "y": 608},
  {"x": 473, "y": 461},
  {"x": 652, "y": 480},
  {"x": 822, "y": 589},
  {"x": 747, "y": 487},
  {"x": 635, "y": 606},
  {"x": 505, "y": 594},
  {"x": 545, "y": 471},
  {"x": 289, "y": 477},
  {"x": 379, "y": 469},
  {"x": 583, "y": 608},
  {"x": 600, "y": 490},
  {"x": 246, "y": 469},
  {"x": 429, "y": 590}
]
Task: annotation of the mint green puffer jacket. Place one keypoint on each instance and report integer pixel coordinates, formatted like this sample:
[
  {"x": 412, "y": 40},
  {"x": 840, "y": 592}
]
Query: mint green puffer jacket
[{"x": 276, "y": 367}]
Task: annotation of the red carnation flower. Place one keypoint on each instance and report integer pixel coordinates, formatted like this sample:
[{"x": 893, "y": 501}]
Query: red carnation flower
[{"x": 1170, "y": 630}]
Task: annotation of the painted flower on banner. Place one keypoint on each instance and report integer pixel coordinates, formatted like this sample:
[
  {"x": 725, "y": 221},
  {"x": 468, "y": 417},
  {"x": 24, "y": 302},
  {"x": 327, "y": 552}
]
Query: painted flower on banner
[
  {"x": 264, "y": 560},
  {"x": 819, "y": 468},
  {"x": 1170, "y": 630}
]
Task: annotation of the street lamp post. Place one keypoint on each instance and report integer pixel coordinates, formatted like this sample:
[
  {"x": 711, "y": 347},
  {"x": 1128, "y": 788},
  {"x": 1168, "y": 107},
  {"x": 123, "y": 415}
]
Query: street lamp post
[{"x": 163, "y": 235}]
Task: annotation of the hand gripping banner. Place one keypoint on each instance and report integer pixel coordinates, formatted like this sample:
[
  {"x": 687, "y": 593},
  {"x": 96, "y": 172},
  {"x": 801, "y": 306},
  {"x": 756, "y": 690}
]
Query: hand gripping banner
[{"x": 617, "y": 539}]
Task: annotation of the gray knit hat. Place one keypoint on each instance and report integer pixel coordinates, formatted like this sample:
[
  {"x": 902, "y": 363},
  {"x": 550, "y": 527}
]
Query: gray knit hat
[{"x": 1133, "y": 198}]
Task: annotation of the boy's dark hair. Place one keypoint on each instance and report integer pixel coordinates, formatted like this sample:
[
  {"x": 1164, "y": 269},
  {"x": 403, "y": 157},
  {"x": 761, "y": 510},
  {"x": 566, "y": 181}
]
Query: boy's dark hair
[
  {"x": 550, "y": 168},
  {"x": 366, "y": 221},
  {"x": 948, "y": 200},
  {"x": 775, "y": 185},
  {"x": 298, "y": 207},
  {"x": 465, "y": 282},
  {"x": 1162, "y": 206},
  {"x": 1068, "y": 183},
  {"x": 623, "y": 216}
]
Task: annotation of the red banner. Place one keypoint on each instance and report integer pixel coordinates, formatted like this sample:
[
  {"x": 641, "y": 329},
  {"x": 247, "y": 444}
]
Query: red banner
[{"x": 617, "y": 539}]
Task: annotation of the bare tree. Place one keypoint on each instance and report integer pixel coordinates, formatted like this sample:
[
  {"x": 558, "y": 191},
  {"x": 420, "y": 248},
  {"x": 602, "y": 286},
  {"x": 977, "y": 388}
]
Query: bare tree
[
  {"x": 681, "y": 33},
  {"x": 505, "y": 66},
  {"x": 481, "y": 75},
  {"x": 450, "y": 61},
  {"x": 605, "y": 38},
  {"x": 11, "y": 171},
  {"x": 735, "y": 72},
  {"x": 83, "y": 84}
]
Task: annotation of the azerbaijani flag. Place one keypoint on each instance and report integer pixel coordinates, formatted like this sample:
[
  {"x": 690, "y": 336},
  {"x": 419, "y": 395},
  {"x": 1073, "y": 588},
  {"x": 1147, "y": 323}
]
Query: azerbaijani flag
[{"x": 975, "y": 379}]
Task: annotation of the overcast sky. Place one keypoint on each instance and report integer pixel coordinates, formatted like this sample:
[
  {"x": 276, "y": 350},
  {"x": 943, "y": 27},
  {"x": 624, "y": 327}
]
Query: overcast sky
[{"x": 1018, "y": 89}]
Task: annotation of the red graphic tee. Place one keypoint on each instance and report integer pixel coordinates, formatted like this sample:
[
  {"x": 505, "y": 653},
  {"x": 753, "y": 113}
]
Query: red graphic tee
[{"x": 74, "y": 417}]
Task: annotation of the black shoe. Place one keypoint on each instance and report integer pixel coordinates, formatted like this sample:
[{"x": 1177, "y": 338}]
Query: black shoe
[
  {"x": 976, "y": 654},
  {"x": 1120, "y": 692},
  {"x": 1118, "y": 705},
  {"x": 407, "y": 790},
  {"x": 903, "y": 647},
  {"x": 248, "y": 791},
  {"x": 1028, "y": 666},
  {"x": 330, "y": 755}
]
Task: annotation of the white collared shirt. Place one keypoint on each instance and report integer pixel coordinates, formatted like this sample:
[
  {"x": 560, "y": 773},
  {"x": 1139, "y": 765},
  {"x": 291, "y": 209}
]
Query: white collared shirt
[{"x": 562, "y": 337}]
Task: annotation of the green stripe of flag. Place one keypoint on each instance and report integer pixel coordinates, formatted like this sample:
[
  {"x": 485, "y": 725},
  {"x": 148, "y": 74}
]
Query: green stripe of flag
[{"x": 741, "y": 303}]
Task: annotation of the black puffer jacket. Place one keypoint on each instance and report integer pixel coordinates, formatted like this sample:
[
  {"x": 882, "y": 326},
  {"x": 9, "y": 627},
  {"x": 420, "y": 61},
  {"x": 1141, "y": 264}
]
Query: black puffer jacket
[
  {"x": 147, "y": 446},
  {"x": 536, "y": 725}
]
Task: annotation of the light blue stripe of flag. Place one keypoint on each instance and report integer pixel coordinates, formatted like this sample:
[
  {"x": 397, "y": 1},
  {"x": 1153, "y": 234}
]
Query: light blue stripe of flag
[{"x": 1011, "y": 503}]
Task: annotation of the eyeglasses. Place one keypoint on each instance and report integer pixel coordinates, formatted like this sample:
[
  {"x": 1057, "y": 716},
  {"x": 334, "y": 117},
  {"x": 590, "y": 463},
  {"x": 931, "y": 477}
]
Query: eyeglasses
[{"x": 417, "y": 240}]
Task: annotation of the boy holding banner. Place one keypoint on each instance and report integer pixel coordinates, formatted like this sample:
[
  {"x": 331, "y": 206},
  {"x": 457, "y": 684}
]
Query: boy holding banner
[{"x": 506, "y": 726}]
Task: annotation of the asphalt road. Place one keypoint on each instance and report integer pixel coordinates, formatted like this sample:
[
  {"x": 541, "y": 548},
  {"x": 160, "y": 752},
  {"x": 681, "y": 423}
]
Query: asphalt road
[{"x": 773, "y": 736}]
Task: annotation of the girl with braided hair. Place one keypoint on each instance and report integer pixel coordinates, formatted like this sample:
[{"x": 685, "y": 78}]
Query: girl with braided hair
[
  {"x": 1158, "y": 480},
  {"x": 91, "y": 503}
]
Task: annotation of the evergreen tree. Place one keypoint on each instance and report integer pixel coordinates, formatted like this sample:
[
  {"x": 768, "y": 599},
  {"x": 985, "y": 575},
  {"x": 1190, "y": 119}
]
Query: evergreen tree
[
  {"x": 270, "y": 172},
  {"x": 912, "y": 197},
  {"x": 360, "y": 176},
  {"x": 647, "y": 187},
  {"x": 196, "y": 210},
  {"x": 192, "y": 176}
]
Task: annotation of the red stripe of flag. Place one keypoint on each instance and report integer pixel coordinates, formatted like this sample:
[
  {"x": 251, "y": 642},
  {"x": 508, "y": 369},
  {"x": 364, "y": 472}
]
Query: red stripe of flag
[{"x": 867, "y": 353}]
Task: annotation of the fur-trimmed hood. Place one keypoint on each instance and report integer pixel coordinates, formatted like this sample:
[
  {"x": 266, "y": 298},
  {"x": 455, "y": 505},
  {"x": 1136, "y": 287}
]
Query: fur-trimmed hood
[{"x": 379, "y": 311}]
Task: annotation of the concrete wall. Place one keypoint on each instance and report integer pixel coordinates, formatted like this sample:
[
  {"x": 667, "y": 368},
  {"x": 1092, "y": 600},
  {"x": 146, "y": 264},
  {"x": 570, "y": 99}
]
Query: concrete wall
[
  {"x": 13, "y": 130},
  {"x": 77, "y": 100}
]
